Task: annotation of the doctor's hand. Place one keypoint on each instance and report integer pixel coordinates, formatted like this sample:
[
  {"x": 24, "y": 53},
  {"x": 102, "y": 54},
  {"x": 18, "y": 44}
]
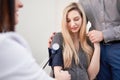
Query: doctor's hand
[{"x": 50, "y": 39}]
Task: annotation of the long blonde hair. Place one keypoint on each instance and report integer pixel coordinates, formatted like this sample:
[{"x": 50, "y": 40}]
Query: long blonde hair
[{"x": 69, "y": 51}]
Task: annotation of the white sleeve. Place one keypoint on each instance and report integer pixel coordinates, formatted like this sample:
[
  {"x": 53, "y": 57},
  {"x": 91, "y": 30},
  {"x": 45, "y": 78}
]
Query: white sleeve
[{"x": 16, "y": 63}]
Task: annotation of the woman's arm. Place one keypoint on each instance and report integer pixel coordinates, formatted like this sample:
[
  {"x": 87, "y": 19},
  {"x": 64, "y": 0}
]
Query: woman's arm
[
  {"x": 57, "y": 59},
  {"x": 94, "y": 66}
]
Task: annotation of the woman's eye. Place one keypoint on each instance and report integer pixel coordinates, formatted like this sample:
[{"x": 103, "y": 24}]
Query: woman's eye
[
  {"x": 68, "y": 21},
  {"x": 76, "y": 19}
]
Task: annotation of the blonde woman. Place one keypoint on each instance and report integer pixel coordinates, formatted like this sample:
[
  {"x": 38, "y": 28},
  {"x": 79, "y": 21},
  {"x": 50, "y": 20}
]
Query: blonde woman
[{"x": 75, "y": 55}]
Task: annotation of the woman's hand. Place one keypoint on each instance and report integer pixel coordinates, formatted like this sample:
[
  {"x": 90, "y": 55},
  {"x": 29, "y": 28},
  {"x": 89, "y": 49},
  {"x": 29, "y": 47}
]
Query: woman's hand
[
  {"x": 60, "y": 74},
  {"x": 50, "y": 39},
  {"x": 63, "y": 75}
]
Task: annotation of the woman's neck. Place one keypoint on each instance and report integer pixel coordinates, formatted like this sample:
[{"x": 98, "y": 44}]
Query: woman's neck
[{"x": 75, "y": 38}]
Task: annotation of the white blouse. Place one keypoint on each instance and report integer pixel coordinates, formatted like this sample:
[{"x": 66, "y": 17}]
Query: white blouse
[{"x": 16, "y": 60}]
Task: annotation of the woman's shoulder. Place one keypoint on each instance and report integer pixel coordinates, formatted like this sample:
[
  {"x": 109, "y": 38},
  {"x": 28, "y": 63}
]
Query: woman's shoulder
[
  {"x": 12, "y": 50},
  {"x": 13, "y": 38},
  {"x": 13, "y": 44},
  {"x": 15, "y": 57}
]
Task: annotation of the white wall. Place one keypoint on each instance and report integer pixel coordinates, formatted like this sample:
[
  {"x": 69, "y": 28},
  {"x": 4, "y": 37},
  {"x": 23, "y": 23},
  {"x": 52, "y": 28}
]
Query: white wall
[
  {"x": 38, "y": 19},
  {"x": 36, "y": 24}
]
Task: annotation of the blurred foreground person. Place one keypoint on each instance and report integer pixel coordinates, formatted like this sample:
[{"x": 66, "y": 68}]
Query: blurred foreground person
[{"x": 16, "y": 60}]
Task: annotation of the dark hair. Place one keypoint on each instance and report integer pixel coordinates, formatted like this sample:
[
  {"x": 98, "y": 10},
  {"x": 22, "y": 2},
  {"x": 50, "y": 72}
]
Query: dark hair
[{"x": 7, "y": 15}]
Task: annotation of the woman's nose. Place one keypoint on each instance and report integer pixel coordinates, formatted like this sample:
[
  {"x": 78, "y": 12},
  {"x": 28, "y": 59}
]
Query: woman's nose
[
  {"x": 72, "y": 23},
  {"x": 20, "y": 4}
]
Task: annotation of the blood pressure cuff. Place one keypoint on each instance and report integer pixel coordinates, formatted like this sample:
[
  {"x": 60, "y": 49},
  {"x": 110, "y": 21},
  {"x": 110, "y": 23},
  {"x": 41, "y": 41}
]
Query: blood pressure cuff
[{"x": 56, "y": 57}]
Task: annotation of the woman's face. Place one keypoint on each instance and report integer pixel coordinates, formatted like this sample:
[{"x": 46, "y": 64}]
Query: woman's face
[
  {"x": 18, "y": 5},
  {"x": 74, "y": 21}
]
